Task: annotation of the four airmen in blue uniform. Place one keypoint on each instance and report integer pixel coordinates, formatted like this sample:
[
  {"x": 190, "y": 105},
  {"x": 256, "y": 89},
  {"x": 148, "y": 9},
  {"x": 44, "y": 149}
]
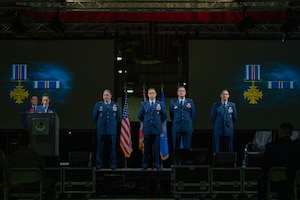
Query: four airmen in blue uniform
[{"x": 152, "y": 113}]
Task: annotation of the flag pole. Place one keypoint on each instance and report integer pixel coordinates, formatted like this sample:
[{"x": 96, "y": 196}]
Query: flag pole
[
  {"x": 161, "y": 90},
  {"x": 144, "y": 88},
  {"x": 141, "y": 135}
]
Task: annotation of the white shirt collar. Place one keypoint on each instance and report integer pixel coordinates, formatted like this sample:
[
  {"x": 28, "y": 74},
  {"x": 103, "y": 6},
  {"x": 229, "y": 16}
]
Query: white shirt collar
[
  {"x": 152, "y": 101},
  {"x": 179, "y": 99}
]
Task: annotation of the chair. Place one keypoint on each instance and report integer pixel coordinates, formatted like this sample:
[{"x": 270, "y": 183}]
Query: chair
[
  {"x": 254, "y": 150},
  {"x": 224, "y": 159},
  {"x": 4, "y": 189},
  {"x": 27, "y": 176},
  {"x": 296, "y": 185},
  {"x": 196, "y": 156},
  {"x": 276, "y": 175},
  {"x": 295, "y": 135},
  {"x": 80, "y": 158}
]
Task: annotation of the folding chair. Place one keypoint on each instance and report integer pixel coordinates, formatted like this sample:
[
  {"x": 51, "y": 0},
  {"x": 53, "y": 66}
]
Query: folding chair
[
  {"x": 4, "y": 189},
  {"x": 254, "y": 150},
  {"x": 276, "y": 175},
  {"x": 25, "y": 176},
  {"x": 296, "y": 185},
  {"x": 295, "y": 135}
]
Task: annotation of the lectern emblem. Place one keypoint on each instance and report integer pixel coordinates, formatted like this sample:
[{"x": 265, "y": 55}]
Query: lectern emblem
[{"x": 40, "y": 126}]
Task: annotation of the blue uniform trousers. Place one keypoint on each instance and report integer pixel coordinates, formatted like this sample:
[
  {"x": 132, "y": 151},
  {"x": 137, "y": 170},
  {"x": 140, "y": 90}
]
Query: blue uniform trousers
[
  {"x": 148, "y": 141},
  {"x": 99, "y": 153}
]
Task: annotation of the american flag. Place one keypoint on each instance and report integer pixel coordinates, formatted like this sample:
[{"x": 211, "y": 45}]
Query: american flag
[
  {"x": 141, "y": 132},
  {"x": 125, "y": 136}
]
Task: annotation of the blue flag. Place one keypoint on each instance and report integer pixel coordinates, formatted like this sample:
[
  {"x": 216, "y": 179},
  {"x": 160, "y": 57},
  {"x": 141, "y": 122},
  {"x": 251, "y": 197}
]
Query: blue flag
[{"x": 164, "y": 147}]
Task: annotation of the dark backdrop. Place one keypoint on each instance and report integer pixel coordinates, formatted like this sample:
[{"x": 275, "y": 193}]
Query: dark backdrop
[
  {"x": 218, "y": 64},
  {"x": 83, "y": 68}
]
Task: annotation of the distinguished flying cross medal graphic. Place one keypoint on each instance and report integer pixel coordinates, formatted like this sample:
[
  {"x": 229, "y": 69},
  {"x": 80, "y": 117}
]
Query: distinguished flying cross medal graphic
[
  {"x": 19, "y": 75},
  {"x": 253, "y": 75}
]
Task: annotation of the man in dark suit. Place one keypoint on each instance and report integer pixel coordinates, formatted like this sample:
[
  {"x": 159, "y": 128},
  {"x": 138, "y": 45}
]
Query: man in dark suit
[
  {"x": 224, "y": 114},
  {"x": 182, "y": 113},
  {"x": 278, "y": 153},
  {"x": 106, "y": 114},
  {"x": 31, "y": 108},
  {"x": 152, "y": 113}
]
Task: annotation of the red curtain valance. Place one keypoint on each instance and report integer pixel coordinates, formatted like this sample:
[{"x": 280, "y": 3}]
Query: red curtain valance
[{"x": 186, "y": 17}]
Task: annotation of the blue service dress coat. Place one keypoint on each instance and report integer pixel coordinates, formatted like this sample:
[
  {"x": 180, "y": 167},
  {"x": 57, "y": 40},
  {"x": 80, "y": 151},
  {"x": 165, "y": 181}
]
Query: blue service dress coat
[
  {"x": 42, "y": 109},
  {"x": 223, "y": 117},
  {"x": 152, "y": 118},
  {"x": 182, "y": 116},
  {"x": 107, "y": 117}
]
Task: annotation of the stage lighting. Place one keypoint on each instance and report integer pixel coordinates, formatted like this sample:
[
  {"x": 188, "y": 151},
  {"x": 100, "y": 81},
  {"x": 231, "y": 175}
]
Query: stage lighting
[
  {"x": 17, "y": 26},
  {"x": 130, "y": 91},
  {"x": 57, "y": 25},
  {"x": 290, "y": 26},
  {"x": 245, "y": 25}
]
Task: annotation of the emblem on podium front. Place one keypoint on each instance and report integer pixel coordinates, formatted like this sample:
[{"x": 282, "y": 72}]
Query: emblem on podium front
[{"x": 40, "y": 126}]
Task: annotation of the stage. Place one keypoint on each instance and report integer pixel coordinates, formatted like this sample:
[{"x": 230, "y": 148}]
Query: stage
[{"x": 129, "y": 181}]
